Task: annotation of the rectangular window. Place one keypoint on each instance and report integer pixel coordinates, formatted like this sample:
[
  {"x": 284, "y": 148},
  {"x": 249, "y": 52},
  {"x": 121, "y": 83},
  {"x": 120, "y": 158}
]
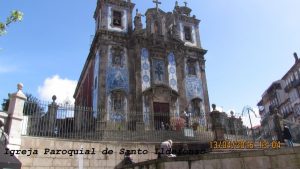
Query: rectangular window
[
  {"x": 187, "y": 33},
  {"x": 117, "y": 18}
]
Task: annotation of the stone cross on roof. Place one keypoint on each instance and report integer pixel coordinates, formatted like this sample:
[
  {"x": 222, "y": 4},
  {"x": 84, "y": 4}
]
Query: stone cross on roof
[
  {"x": 156, "y": 2},
  {"x": 185, "y": 3}
]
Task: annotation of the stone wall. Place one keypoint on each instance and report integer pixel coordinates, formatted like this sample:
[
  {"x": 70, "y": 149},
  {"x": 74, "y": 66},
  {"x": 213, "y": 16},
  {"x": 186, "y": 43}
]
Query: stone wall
[
  {"x": 90, "y": 161},
  {"x": 3, "y": 116},
  {"x": 284, "y": 158}
]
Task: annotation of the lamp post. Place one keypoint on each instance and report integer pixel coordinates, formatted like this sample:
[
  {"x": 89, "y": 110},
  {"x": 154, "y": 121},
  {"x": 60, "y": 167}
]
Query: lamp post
[{"x": 248, "y": 109}]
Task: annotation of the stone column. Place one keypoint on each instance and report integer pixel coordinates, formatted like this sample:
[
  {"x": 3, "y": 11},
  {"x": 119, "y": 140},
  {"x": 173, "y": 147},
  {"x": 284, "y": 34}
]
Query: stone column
[
  {"x": 217, "y": 124},
  {"x": 52, "y": 113},
  {"x": 15, "y": 117}
]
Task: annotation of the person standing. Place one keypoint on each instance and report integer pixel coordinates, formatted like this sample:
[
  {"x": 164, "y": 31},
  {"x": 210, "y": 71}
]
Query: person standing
[
  {"x": 166, "y": 149},
  {"x": 287, "y": 137},
  {"x": 162, "y": 126}
]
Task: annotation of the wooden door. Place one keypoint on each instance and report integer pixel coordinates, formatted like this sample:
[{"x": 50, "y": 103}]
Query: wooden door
[{"x": 161, "y": 114}]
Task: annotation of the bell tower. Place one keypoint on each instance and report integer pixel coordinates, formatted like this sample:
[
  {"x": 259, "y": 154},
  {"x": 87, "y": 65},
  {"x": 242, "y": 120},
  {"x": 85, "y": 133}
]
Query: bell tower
[
  {"x": 155, "y": 20},
  {"x": 114, "y": 15}
]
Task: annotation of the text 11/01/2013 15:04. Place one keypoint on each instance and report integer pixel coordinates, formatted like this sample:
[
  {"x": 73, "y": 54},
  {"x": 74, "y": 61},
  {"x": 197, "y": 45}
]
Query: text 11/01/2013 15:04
[{"x": 244, "y": 144}]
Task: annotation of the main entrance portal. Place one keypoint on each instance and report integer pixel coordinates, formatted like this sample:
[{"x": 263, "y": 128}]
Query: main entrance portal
[{"x": 161, "y": 114}]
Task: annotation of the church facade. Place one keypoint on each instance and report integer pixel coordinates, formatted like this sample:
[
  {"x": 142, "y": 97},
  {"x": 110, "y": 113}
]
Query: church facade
[{"x": 144, "y": 74}]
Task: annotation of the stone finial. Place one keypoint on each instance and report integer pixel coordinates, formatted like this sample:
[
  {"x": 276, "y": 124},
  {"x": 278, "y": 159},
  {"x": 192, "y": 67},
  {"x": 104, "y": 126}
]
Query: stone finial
[
  {"x": 54, "y": 98},
  {"x": 231, "y": 112},
  {"x": 185, "y": 3},
  {"x": 296, "y": 56},
  {"x": 20, "y": 86},
  {"x": 176, "y": 4},
  {"x": 214, "y": 107}
]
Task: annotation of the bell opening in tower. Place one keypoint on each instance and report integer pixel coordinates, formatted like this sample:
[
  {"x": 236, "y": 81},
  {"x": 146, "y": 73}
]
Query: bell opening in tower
[{"x": 117, "y": 18}]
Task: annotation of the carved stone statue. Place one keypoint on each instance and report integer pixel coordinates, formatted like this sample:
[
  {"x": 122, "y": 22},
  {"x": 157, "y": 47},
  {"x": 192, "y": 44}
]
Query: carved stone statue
[{"x": 138, "y": 21}]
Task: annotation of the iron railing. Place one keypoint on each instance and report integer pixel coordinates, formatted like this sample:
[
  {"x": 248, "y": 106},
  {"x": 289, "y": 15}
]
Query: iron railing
[{"x": 73, "y": 122}]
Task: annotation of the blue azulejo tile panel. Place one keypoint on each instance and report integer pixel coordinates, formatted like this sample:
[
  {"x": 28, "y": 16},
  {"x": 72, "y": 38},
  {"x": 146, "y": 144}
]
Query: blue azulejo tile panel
[
  {"x": 193, "y": 87},
  {"x": 146, "y": 110},
  {"x": 116, "y": 116},
  {"x": 95, "y": 84},
  {"x": 117, "y": 72},
  {"x": 145, "y": 69},
  {"x": 172, "y": 72},
  {"x": 158, "y": 71}
]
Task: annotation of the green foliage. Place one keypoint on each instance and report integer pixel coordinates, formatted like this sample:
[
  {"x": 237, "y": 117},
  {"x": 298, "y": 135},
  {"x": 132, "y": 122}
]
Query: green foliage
[
  {"x": 15, "y": 16},
  {"x": 31, "y": 106},
  {"x": 5, "y": 105}
]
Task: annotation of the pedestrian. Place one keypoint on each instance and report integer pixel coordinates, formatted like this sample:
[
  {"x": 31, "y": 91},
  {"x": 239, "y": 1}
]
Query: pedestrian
[
  {"x": 128, "y": 158},
  {"x": 166, "y": 149},
  {"x": 162, "y": 126},
  {"x": 287, "y": 137},
  {"x": 126, "y": 161}
]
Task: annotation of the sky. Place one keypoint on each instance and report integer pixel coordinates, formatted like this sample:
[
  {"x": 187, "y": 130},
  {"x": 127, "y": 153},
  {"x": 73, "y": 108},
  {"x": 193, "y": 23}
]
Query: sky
[{"x": 250, "y": 44}]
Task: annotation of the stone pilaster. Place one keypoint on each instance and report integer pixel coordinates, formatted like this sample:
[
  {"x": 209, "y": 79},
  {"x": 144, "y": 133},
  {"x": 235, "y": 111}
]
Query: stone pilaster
[
  {"x": 217, "y": 120},
  {"x": 15, "y": 117}
]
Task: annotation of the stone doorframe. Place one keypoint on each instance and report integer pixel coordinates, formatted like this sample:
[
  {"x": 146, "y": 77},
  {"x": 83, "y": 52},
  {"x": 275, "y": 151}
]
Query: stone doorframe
[{"x": 159, "y": 94}]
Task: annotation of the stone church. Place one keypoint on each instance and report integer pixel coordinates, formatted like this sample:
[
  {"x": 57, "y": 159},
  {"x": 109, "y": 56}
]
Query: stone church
[{"x": 144, "y": 73}]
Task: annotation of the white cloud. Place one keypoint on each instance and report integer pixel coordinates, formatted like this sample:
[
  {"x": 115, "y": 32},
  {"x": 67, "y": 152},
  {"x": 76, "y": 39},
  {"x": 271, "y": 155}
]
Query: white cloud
[{"x": 62, "y": 88}]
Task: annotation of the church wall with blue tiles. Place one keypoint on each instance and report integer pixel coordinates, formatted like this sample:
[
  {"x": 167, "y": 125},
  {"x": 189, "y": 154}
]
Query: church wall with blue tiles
[
  {"x": 116, "y": 79},
  {"x": 145, "y": 72},
  {"x": 172, "y": 72},
  {"x": 117, "y": 76},
  {"x": 116, "y": 116},
  {"x": 146, "y": 111},
  {"x": 193, "y": 83},
  {"x": 193, "y": 88},
  {"x": 95, "y": 85}
]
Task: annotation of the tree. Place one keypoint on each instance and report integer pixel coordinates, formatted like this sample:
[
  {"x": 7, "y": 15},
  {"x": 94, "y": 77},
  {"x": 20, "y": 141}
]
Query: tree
[
  {"x": 15, "y": 16},
  {"x": 31, "y": 106}
]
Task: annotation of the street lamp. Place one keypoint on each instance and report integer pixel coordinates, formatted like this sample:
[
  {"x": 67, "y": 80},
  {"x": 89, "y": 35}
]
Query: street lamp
[{"x": 248, "y": 109}]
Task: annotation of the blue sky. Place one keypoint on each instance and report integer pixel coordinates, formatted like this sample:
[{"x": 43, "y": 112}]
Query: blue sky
[{"x": 250, "y": 44}]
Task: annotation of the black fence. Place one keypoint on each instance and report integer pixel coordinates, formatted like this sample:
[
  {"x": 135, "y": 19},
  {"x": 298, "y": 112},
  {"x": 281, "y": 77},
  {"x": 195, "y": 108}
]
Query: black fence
[{"x": 43, "y": 119}]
